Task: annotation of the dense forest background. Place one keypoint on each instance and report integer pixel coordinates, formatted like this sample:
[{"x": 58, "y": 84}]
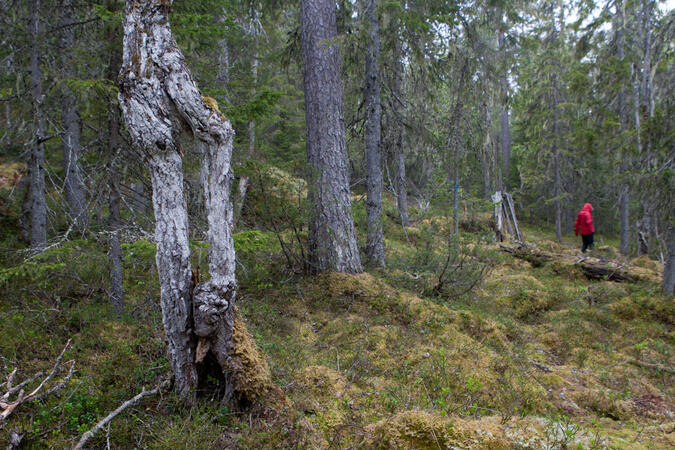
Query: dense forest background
[
  {"x": 562, "y": 103},
  {"x": 559, "y": 103}
]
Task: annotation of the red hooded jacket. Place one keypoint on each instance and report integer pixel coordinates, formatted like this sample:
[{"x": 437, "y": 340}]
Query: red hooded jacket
[{"x": 584, "y": 222}]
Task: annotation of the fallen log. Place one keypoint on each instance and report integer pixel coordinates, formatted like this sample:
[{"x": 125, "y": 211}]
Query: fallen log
[
  {"x": 593, "y": 269},
  {"x": 536, "y": 258}
]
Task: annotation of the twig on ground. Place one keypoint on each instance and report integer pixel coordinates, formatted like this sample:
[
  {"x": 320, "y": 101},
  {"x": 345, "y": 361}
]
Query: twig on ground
[
  {"x": 7, "y": 406},
  {"x": 89, "y": 434}
]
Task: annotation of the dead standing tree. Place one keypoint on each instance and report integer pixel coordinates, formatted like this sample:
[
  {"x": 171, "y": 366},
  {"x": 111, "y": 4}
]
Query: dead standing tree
[{"x": 160, "y": 101}]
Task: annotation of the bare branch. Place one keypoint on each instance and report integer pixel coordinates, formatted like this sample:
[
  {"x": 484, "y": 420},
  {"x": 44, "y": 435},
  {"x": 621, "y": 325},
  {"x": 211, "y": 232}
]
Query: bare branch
[{"x": 99, "y": 426}]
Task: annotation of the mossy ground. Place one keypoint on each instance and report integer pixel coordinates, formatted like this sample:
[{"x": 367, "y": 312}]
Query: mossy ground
[{"x": 370, "y": 360}]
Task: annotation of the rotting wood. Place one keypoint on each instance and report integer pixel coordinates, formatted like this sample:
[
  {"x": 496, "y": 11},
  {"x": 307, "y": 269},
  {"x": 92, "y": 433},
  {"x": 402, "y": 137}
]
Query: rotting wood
[
  {"x": 509, "y": 199},
  {"x": 505, "y": 217}
]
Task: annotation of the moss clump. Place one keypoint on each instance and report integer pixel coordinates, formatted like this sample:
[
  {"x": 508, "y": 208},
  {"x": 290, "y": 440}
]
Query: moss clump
[
  {"x": 625, "y": 309},
  {"x": 325, "y": 396},
  {"x": 646, "y": 262},
  {"x": 422, "y": 430},
  {"x": 247, "y": 365},
  {"x": 323, "y": 380},
  {"x": 211, "y": 102},
  {"x": 601, "y": 403}
]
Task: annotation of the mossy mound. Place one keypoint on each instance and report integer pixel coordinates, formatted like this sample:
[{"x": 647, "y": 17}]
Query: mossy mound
[
  {"x": 645, "y": 262},
  {"x": 422, "y": 430},
  {"x": 324, "y": 396}
]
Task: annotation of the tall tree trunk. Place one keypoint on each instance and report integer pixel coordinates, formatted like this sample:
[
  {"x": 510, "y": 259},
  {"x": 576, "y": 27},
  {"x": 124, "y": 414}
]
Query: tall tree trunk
[
  {"x": 114, "y": 220},
  {"x": 669, "y": 269},
  {"x": 504, "y": 115},
  {"x": 557, "y": 182},
  {"x": 332, "y": 240},
  {"x": 556, "y": 164},
  {"x": 38, "y": 203},
  {"x": 399, "y": 132},
  {"x": 623, "y": 120},
  {"x": 245, "y": 181},
  {"x": 375, "y": 239},
  {"x": 454, "y": 141},
  {"x": 160, "y": 100},
  {"x": 646, "y": 111},
  {"x": 486, "y": 154},
  {"x": 114, "y": 198},
  {"x": 70, "y": 116}
]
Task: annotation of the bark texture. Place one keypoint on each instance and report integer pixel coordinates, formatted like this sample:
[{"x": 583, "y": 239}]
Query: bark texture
[
  {"x": 114, "y": 220},
  {"x": 373, "y": 134},
  {"x": 114, "y": 197},
  {"x": 624, "y": 193},
  {"x": 399, "y": 133},
  {"x": 669, "y": 269},
  {"x": 505, "y": 130},
  {"x": 245, "y": 181},
  {"x": 72, "y": 125},
  {"x": 160, "y": 100},
  {"x": 38, "y": 203},
  {"x": 332, "y": 240}
]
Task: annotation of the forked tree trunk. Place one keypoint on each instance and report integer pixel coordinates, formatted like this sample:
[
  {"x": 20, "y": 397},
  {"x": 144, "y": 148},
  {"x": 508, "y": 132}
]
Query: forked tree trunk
[
  {"x": 375, "y": 238},
  {"x": 399, "y": 132},
  {"x": 73, "y": 178},
  {"x": 332, "y": 240},
  {"x": 38, "y": 202},
  {"x": 160, "y": 100}
]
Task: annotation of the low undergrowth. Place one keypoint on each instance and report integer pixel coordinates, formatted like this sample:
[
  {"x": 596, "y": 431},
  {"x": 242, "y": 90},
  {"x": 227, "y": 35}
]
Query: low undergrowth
[{"x": 527, "y": 356}]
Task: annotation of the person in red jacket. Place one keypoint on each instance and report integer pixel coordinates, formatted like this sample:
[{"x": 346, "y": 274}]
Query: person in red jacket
[{"x": 584, "y": 225}]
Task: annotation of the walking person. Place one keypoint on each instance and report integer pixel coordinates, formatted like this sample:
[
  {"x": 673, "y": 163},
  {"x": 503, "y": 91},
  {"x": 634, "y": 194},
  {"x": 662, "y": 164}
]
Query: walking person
[{"x": 584, "y": 225}]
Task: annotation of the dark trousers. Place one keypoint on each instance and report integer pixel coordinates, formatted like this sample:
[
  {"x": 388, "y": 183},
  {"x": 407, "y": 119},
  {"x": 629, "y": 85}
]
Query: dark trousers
[{"x": 587, "y": 240}]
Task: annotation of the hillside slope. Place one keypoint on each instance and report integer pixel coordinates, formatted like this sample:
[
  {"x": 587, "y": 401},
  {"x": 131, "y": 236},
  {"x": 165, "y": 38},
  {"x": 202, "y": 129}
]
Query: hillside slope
[{"x": 529, "y": 356}]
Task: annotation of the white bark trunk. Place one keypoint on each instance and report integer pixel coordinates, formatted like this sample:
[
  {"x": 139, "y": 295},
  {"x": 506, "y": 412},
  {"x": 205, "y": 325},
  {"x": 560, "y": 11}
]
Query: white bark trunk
[{"x": 160, "y": 100}]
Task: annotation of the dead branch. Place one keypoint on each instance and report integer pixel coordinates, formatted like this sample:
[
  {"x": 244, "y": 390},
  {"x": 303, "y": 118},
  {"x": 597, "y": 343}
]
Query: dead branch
[
  {"x": 657, "y": 367},
  {"x": 7, "y": 406},
  {"x": 99, "y": 426}
]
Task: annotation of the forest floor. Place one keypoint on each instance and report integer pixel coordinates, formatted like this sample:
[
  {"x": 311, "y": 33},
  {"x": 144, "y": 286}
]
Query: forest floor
[{"x": 537, "y": 357}]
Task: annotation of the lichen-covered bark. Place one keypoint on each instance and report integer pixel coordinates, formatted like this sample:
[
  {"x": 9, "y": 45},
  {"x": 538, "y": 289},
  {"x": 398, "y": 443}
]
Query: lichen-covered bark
[
  {"x": 160, "y": 100},
  {"x": 375, "y": 238},
  {"x": 332, "y": 239}
]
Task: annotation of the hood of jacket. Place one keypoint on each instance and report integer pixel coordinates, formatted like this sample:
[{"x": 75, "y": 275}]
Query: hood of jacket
[{"x": 587, "y": 207}]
